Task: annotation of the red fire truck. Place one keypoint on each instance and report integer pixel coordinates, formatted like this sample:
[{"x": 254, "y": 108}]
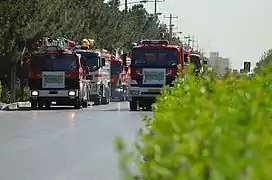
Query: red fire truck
[
  {"x": 119, "y": 78},
  {"x": 154, "y": 63},
  {"x": 56, "y": 74}
]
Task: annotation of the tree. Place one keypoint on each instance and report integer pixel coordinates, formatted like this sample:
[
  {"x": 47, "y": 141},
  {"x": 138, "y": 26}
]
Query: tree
[
  {"x": 24, "y": 21},
  {"x": 265, "y": 60}
]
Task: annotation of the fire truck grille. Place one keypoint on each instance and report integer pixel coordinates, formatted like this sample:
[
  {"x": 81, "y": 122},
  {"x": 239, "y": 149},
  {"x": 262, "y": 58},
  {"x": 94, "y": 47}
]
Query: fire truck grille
[
  {"x": 69, "y": 83},
  {"x": 139, "y": 80}
]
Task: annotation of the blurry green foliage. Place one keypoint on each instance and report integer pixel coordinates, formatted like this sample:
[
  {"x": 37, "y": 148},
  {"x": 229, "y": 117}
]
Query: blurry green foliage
[
  {"x": 265, "y": 59},
  {"x": 208, "y": 128}
]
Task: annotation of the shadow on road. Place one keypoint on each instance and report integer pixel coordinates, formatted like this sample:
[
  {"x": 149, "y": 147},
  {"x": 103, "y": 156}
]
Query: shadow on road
[
  {"x": 43, "y": 109},
  {"x": 114, "y": 109},
  {"x": 124, "y": 109}
]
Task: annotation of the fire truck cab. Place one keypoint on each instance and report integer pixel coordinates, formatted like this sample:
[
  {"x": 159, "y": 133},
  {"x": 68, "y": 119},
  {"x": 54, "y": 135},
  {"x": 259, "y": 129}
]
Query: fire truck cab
[
  {"x": 154, "y": 63},
  {"x": 56, "y": 74},
  {"x": 98, "y": 77},
  {"x": 197, "y": 60}
]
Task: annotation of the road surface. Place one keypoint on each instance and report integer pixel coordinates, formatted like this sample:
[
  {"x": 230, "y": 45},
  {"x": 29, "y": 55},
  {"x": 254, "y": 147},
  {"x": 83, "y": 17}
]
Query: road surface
[{"x": 65, "y": 144}]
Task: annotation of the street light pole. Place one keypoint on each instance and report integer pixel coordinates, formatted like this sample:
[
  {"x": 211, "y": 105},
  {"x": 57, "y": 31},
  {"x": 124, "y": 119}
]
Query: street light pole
[
  {"x": 171, "y": 17},
  {"x": 189, "y": 39}
]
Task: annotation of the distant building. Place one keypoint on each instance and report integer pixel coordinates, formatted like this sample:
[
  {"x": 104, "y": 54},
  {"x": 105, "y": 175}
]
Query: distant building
[{"x": 218, "y": 64}]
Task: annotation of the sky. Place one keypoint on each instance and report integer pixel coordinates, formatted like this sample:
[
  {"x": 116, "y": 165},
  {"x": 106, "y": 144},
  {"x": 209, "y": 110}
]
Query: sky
[{"x": 238, "y": 29}]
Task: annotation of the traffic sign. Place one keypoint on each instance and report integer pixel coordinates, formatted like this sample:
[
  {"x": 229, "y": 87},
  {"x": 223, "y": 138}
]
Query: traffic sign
[{"x": 247, "y": 66}]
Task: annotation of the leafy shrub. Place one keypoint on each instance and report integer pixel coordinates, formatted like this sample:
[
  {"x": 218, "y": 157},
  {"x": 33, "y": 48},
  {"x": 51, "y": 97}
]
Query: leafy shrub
[
  {"x": 5, "y": 94},
  {"x": 22, "y": 94},
  {"x": 208, "y": 128}
]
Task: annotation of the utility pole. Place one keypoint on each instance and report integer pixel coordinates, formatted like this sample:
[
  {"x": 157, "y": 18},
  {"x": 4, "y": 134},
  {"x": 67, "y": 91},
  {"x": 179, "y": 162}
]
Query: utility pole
[
  {"x": 155, "y": 8},
  {"x": 126, "y": 6},
  {"x": 171, "y": 17},
  {"x": 197, "y": 46},
  {"x": 189, "y": 39},
  {"x": 193, "y": 42}
]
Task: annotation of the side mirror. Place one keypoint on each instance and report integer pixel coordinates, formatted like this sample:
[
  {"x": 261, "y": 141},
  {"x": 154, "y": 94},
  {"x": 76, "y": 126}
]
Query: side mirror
[
  {"x": 103, "y": 62},
  {"x": 185, "y": 58},
  {"x": 86, "y": 70},
  {"x": 124, "y": 59}
]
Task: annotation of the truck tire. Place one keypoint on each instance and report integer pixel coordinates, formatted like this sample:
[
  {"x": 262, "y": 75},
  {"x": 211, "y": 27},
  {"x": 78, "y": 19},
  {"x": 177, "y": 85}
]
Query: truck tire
[
  {"x": 33, "y": 104},
  {"x": 97, "y": 101},
  {"x": 77, "y": 105},
  {"x": 47, "y": 105},
  {"x": 149, "y": 107},
  {"x": 84, "y": 104},
  {"x": 105, "y": 100},
  {"x": 133, "y": 105},
  {"x": 40, "y": 104}
]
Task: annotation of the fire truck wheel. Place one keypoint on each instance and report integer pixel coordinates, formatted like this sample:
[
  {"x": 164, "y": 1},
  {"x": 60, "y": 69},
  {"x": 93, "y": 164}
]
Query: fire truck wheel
[
  {"x": 105, "y": 100},
  {"x": 33, "y": 104},
  {"x": 47, "y": 105},
  {"x": 97, "y": 101},
  {"x": 149, "y": 107},
  {"x": 85, "y": 104},
  {"x": 133, "y": 105},
  {"x": 40, "y": 105},
  {"x": 77, "y": 105}
]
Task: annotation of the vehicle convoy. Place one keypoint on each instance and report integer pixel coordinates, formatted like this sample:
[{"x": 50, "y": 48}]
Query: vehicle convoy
[
  {"x": 154, "y": 63},
  {"x": 56, "y": 74},
  {"x": 119, "y": 79},
  {"x": 98, "y": 77}
]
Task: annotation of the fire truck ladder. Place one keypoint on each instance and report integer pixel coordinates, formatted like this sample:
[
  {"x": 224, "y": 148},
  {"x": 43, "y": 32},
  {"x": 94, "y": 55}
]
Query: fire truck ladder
[{"x": 54, "y": 44}]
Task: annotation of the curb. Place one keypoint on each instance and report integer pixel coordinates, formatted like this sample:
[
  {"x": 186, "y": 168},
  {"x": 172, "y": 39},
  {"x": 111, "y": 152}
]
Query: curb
[{"x": 14, "y": 106}]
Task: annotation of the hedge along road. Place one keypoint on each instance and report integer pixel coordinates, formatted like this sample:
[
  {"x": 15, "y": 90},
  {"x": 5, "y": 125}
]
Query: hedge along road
[{"x": 65, "y": 144}]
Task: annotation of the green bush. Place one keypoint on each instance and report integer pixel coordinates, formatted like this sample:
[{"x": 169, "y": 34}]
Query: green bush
[
  {"x": 208, "y": 128},
  {"x": 22, "y": 94},
  {"x": 5, "y": 94}
]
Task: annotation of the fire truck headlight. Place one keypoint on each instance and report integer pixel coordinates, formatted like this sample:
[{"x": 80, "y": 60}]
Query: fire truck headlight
[
  {"x": 34, "y": 93},
  {"x": 71, "y": 93}
]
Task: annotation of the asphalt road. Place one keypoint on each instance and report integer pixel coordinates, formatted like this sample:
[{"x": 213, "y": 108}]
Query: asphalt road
[{"x": 65, "y": 144}]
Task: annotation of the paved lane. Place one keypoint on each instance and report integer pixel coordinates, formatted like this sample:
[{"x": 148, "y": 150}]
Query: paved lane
[{"x": 64, "y": 144}]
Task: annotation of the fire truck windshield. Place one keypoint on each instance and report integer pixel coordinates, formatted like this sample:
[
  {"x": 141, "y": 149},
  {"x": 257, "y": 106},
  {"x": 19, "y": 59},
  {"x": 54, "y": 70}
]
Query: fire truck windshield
[
  {"x": 154, "y": 57},
  {"x": 116, "y": 67},
  {"x": 53, "y": 62},
  {"x": 92, "y": 60}
]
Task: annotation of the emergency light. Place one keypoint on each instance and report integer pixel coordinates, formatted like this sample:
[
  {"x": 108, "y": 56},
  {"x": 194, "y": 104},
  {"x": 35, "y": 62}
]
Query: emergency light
[
  {"x": 155, "y": 42},
  {"x": 196, "y": 55},
  {"x": 113, "y": 57}
]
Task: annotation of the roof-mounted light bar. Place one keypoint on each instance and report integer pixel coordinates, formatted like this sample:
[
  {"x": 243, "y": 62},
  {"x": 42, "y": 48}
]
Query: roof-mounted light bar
[
  {"x": 197, "y": 55},
  {"x": 155, "y": 42}
]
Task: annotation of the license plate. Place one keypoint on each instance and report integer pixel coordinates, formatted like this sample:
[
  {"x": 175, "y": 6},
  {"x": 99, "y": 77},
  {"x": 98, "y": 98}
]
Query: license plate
[{"x": 154, "y": 90}]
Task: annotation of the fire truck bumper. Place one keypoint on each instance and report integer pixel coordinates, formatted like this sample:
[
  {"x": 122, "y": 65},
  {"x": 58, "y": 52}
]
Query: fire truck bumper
[
  {"x": 143, "y": 92},
  {"x": 58, "y": 96}
]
